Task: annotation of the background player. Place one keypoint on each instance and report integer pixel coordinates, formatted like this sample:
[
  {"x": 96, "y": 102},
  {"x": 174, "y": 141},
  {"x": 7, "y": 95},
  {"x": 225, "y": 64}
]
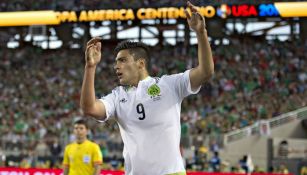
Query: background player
[{"x": 82, "y": 157}]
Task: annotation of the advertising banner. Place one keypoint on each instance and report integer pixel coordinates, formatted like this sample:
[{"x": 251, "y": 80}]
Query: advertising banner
[
  {"x": 35, "y": 171},
  {"x": 224, "y": 11}
]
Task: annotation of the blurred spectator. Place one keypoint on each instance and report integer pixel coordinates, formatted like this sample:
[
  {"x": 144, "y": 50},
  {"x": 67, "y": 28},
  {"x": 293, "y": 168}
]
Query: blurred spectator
[
  {"x": 214, "y": 147},
  {"x": 55, "y": 150},
  {"x": 215, "y": 162},
  {"x": 283, "y": 149},
  {"x": 42, "y": 149},
  {"x": 246, "y": 164}
]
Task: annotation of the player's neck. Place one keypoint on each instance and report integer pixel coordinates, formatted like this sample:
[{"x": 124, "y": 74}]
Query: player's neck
[
  {"x": 80, "y": 141},
  {"x": 143, "y": 75}
]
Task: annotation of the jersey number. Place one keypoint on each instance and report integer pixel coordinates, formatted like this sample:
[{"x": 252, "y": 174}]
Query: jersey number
[{"x": 140, "y": 110}]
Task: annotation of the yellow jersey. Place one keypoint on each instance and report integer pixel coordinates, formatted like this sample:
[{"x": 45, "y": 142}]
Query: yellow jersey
[{"x": 81, "y": 158}]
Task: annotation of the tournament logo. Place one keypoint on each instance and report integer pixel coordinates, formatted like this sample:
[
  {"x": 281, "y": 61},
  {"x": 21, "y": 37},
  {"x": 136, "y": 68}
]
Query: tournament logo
[
  {"x": 224, "y": 11},
  {"x": 154, "y": 92}
]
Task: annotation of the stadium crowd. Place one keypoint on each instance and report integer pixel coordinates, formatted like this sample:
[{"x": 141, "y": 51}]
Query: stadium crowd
[{"x": 40, "y": 89}]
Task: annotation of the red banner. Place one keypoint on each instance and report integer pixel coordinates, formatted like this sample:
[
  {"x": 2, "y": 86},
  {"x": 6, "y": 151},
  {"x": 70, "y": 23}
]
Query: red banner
[{"x": 35, "y": 171}]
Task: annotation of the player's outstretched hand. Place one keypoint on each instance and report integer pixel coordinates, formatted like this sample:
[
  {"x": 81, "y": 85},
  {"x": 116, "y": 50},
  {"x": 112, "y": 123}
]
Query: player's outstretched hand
[
  {"x": 93, "y": 52},
  {"x": 196, "y": 21}
]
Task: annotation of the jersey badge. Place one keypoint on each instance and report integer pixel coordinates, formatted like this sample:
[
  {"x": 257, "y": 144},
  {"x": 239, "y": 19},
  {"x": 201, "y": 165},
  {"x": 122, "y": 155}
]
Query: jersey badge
[
  {"x": 154, "y": 92},
  {"x": 86, "y": 159}
]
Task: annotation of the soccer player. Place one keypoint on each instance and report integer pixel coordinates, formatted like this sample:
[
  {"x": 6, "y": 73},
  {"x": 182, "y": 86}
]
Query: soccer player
[
  {"x": 147, "y": 109},
  {"x": 82, "y": 157}
]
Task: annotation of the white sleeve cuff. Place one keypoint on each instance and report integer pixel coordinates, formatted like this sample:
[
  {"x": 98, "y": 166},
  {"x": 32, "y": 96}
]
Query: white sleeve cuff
[
  {"x": 107, "y": 107},
  {"x": 187, "y": 79}
]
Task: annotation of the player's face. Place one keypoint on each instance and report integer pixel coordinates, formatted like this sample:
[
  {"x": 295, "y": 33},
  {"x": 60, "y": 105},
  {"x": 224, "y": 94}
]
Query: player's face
[
  {"x": 80, "y": 131},
  {"x": 127, "y": 68}
]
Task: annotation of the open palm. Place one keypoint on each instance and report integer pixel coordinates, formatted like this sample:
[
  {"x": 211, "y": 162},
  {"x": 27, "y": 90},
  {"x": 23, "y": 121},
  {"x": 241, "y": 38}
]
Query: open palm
[{"x": 93, "y": 52}]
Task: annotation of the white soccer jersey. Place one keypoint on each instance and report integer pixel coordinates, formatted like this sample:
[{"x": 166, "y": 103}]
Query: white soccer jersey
[{"x": 149, "y": 120}]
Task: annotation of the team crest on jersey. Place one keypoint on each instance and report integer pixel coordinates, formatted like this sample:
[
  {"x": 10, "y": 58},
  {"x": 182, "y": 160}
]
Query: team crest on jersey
[
  {"x": 154, "y": 92},
  {"x": 86, "y": 159}
]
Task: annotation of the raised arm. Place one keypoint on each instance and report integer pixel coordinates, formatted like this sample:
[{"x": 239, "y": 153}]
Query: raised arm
[
  {"x": 88, "y": 102},
  {"x": 205, "y": 68}
]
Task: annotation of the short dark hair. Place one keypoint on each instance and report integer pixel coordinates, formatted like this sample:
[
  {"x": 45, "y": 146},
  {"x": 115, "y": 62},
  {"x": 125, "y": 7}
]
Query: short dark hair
[
  {"x": 81, "y": 122},
  {"x": 138, "y": 50}
]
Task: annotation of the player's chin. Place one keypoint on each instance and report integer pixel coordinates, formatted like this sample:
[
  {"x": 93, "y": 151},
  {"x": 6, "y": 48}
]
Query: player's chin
[{"x": 122, "y": 81}]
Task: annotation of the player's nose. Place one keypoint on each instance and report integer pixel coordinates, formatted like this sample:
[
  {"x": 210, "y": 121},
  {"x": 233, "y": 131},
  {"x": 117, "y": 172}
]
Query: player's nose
[{"x": 116, "y": 67}]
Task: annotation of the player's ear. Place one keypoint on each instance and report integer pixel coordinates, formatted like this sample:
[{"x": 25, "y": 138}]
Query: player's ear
[{"x": 141, "y": 63}]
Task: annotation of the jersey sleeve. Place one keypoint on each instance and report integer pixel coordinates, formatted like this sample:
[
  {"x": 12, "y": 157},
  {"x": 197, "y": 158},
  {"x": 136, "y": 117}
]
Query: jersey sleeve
[
  {"x": 97, "y": 155},
  {"x": 181, "y": 85},
  {"x": 109, "y": 103},
  {"x": 65, "y": 157}
]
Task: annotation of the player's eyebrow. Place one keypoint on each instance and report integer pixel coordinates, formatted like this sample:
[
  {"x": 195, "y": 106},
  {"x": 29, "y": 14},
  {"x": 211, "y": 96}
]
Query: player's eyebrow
[{"x": 120, "y": 58}]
